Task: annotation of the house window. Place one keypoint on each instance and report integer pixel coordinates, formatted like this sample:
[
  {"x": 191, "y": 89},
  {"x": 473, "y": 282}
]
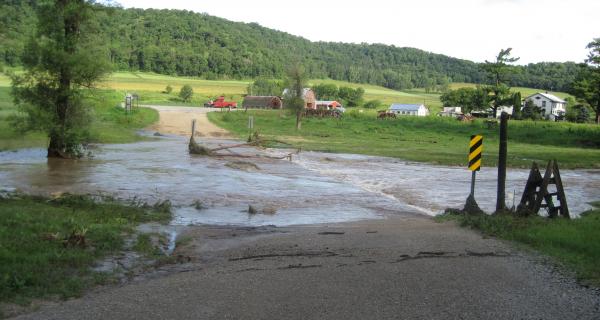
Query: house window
[{"x": 543, "y": 104}]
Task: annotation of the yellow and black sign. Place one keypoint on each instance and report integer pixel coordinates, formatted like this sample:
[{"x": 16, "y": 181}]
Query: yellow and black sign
[{"x": 475, "y": 148}]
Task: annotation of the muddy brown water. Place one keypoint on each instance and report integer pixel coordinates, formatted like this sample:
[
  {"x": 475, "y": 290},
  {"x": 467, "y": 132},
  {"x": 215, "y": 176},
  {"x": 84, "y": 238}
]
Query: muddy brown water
[{"x": 313, "y": 188}]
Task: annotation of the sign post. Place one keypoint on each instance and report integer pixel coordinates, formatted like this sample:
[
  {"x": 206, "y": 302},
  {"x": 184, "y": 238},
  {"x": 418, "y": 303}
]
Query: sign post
[
  {"x": 128, "y": 101},
  {"x": 475, "y": 149}
]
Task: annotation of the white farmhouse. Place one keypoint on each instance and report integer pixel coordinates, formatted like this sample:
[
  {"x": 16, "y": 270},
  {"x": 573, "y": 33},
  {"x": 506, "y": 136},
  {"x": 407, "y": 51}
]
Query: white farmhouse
[
  {"x": 551, "y": 105},
  {"x": 409, "y": 109}
]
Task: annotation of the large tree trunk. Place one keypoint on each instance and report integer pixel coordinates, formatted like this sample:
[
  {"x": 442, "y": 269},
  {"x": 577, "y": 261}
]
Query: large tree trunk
[{"x": 58, "y": 137}]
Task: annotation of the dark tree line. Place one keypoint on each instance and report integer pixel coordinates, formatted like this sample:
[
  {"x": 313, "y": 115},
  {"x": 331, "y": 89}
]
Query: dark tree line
[{"x": 185, "y": 43}]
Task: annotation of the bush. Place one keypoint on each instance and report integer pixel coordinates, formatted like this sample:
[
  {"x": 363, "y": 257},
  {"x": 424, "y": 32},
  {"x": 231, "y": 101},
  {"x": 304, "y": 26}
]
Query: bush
[
  {"x": 186, "y": 93},
  {"x": 583, "y": 114},
  {"x": 168, "y": 89},
  {"x": 372, "y": 104}
]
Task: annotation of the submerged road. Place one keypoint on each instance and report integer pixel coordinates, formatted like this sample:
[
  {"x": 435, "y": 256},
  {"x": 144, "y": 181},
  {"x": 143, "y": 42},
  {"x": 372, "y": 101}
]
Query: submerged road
[{"x": 402, "y": 265}]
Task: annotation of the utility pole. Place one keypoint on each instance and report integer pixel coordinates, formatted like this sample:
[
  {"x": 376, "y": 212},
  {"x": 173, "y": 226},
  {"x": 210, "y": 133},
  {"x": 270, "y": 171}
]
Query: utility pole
[{"x": 502, "y": 153}]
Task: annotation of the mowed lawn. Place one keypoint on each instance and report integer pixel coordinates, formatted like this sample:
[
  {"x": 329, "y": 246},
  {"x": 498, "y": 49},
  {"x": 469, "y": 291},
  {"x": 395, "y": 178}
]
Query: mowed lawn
[{"x": 426, "y": 139}]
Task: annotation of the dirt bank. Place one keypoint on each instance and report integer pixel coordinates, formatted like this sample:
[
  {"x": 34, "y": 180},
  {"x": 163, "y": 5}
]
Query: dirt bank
[{"x": 177, "y": 120}]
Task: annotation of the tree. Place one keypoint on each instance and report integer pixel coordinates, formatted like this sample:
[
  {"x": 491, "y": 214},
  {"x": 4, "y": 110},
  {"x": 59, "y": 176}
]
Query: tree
[
  {"x": 351, "y": 97},
  {"x": 326, "y": 91},
  {"x": 186, "y": 93},
  {"x": 467, "y": 99},
  {"x": 62, "y": 59},
  {"x": 587, "y": 85},
  {"x": 294, "y": 100},
  {"x": 583, "y": 114},
  {"x": 498, "y": 72},
  {"x": 265, "y": 87},
  {"x": 516, "y": 103},
  {"x": 194, "y": 44},
  {"x": 531, "y": 111}
]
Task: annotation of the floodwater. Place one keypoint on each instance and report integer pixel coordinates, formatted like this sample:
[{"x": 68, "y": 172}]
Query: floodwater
[
  {"x": 430, "y": 188},
  {"x": 313, "y": 188}
]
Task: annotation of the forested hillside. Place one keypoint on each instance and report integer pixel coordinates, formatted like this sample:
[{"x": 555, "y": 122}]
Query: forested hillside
[{"x": 185, "y": 43}]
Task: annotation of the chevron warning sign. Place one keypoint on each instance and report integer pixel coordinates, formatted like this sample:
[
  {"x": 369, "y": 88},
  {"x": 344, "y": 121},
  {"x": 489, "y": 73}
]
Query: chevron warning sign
[{"x": 475, "y": 148}]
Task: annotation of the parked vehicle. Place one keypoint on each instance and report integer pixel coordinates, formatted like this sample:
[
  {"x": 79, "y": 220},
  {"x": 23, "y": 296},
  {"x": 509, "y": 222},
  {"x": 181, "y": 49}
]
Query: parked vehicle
[{"x": 221, "y": 103}]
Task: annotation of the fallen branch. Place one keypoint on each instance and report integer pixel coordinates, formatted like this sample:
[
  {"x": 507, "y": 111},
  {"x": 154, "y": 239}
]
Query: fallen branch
[{"x": 254, "y": 141}]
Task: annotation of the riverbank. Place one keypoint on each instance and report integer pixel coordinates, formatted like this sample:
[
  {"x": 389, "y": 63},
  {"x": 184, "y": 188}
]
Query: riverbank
[
  {"x": 433, "y": 140},
  {"x": 110, "y": 123},
  {"x": 48, "y": 246}
]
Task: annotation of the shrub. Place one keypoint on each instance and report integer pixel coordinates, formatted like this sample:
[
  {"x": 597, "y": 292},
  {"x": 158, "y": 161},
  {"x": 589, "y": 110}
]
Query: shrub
[
  {"x": 168, "y": 89},
  {"x": 186, "y": 93},
  {"x": 372, "y": 104}
]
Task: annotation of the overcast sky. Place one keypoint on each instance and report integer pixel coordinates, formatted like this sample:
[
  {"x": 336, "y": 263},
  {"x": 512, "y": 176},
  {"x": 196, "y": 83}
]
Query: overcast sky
[{"x": 537, "y": 30}]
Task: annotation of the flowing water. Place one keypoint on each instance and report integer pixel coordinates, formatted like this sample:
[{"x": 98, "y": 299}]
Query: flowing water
[
  {"x": 431, "y": 188},
  {"x": 313, "y": 188}
]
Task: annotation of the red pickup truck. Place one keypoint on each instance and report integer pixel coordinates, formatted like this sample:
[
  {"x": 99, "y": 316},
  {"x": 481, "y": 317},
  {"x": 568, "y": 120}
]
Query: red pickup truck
[{"x": 221, "y": 103}]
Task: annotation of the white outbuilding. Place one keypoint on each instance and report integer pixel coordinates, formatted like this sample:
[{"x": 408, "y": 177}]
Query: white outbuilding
[
  {"x": 419, "y": 110},
  {"x": 551, "y": 105}
]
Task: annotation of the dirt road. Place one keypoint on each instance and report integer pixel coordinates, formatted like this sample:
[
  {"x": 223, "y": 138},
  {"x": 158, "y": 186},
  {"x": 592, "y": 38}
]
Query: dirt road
[
  {"x": 177, "y": 120},
  {"x": 399, "y": 268}
]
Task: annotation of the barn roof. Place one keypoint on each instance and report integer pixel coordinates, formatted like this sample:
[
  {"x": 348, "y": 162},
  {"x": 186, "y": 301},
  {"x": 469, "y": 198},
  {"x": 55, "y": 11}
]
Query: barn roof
[
  {"x": 405, "y": 107},
  {"x": 261, "y": 101}
]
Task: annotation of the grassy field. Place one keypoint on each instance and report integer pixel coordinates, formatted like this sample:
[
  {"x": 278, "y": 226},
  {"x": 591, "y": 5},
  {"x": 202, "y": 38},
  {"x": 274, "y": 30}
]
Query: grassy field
[
  {"x": 111, "y": 124},
  {"x": 150, "y": 87},
  {"x": 431, "y": 140},
  {"x": 574, "y": 243},
  {"x": 426, "y": 139},
  {"x": 41, "y": 253}
]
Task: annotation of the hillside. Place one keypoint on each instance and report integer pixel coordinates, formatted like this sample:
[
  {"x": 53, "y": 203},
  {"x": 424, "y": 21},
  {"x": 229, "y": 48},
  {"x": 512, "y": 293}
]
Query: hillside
[{"x": 185, "y": 43}]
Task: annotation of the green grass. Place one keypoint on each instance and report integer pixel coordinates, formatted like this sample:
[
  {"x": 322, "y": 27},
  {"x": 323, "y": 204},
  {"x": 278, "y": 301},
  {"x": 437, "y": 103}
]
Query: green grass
[
  {"x": 110, "y": 124},
  {"x": 426, "y": 139},
  {"x": 150, "y": 87},
  {"x": 35, "y": 259},
  {"x": 574, "y": 243}
]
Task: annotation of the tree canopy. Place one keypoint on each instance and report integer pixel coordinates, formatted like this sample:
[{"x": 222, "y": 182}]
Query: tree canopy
[
  {"x": 498, "y": 71},
  {"x": 180, "y": 42},
  {"x": 60, "y": 60},
  {"x": 587, "y": 85}
]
